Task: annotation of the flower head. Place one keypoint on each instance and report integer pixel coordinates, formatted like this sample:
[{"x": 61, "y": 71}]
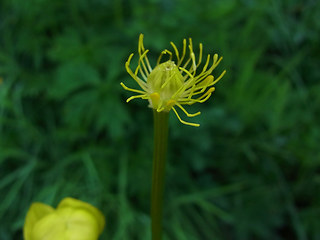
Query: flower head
[
  {"x": 172, "y": 83},
  {"x": 72, "y": 220}
]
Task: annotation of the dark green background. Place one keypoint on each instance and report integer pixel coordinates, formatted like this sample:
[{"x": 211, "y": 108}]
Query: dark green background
[{"x": 251, "y": 171}]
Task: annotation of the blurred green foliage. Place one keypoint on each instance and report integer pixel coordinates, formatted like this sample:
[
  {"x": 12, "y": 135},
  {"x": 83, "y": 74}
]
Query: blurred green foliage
[{"x": 251, "y": 171}]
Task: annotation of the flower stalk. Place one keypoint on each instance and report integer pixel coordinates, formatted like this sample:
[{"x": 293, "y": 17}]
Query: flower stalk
[{"x": 158, "y": 171}]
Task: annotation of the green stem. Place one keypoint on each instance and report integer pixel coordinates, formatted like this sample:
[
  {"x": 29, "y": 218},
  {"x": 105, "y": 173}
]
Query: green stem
[{"x": 158, "y": 171}]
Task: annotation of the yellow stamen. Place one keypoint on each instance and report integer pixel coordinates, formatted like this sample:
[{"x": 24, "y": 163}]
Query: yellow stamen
[
  {"x": 207, "y": 95},
  {"x": 163, "y": 53},
  {"x": 183, "y": 52},
  {"x": 145, "y": 73},
  {"x": 176, "y": 51},
  {"x": 171, "y": 103},
  {"x": 143, "y": 96},
  {"x": 143, "y": 49},
  {"x": 131, "y": 89},
  {"x": 206, "y": 82},
  {"x": 193, "y": 67},
  {"x": 184, "y": 122},
  {"x": 142, "y": 84},
  {"x": 206, "y": 64},
  {"x": 190, "y": 45},
  {"x": 200, "y": 54},
  {"x": 160, "y": 109},
  {"x": 137, "y": 70},
  {"x": 215, "y": 58},
  {"x": 155, "y": 98},
  {"x": 187, "y": 62},
  {"x": 218, "y": 79},
  {"x": 186, "y": 71},
  {"x": 188, "y": 114}
]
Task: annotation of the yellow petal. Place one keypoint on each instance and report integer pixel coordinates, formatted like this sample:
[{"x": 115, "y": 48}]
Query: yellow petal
[
  {"x": 36, "y": 212},
  {"x": 77, "y": 204},
  {"x": 51, "y": 227},
  {"x": 80, "y": 224}
]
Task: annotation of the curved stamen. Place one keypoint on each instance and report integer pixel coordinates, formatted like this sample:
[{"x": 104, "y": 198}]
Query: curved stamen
[
  {"x": 184, "y": 122},
  {"x": 185, "y": 111},
  {"x": 141, "y": 83},
  {"x": 200, "y": 54},
  {"x": 131, "y": 89},
  {"x": 143, "y": 96},
  {"x": 163, "y": 53},
  {"x": 183, "y": 52},
  {"x": 176, "y": 51},
  {"x": 144, "y": 74},
  {"x": 141, "y": 48}
]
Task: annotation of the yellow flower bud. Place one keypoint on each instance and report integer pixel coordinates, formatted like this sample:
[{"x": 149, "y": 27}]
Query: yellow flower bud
[{"x": 72, "y": 220}]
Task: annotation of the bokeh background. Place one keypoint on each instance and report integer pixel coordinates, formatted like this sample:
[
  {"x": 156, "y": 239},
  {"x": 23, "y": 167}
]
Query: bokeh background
[{"x": 251, "y": 171}]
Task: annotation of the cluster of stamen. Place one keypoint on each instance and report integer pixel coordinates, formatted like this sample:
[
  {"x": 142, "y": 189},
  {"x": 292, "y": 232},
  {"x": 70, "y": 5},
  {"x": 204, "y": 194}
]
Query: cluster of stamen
[{"x": 171, "y": 83}]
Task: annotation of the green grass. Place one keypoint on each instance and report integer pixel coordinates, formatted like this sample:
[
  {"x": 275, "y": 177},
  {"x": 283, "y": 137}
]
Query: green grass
[{"x": 251, "y": 171}]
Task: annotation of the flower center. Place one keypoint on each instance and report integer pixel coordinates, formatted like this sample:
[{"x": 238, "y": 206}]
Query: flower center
[{"x": 163, "y": 83}]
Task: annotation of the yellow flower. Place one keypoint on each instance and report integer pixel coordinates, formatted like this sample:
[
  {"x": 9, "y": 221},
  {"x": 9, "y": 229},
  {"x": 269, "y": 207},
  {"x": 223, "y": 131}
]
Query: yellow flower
[
  {"x": 72, "y": 220},
  {"x": 174, "y": 83}
]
